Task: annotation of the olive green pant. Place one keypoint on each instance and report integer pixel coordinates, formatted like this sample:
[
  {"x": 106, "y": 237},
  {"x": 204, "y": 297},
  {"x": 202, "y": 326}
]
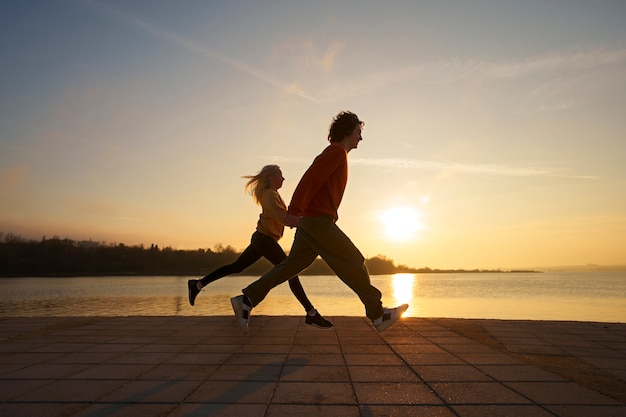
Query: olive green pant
[{"x": 321, "y": 236}]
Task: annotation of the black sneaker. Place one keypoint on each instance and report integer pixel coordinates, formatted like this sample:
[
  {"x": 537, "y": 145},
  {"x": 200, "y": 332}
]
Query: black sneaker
[
  {"x": 192, "y": 286},
  {"x": 318, "y": 321},
  {"x": 389, "y": 317}
]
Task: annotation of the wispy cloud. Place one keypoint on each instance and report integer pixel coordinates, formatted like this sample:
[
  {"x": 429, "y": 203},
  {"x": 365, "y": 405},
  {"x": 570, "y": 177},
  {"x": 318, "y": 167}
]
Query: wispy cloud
[
  {"x": 555, "y": 62},
  {"x": 562, "y": 65},
  {"x": 466, "y": 168},
  {"x": 556, "y": 106},
  {"x": 455, "y": 167},
  {"x": 196, "y": 47},
  {"x": 450, "y": 167}
]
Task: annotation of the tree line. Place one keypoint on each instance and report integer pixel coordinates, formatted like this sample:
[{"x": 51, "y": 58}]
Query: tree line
[{"x": 65, "y": 257}]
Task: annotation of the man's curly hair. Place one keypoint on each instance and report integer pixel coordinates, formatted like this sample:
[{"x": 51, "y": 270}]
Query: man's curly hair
[{"x": 343, "y": 124}]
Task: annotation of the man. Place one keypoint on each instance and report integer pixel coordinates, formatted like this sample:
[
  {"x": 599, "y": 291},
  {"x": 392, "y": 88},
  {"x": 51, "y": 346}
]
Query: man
[{"x": 313, "y": 210}]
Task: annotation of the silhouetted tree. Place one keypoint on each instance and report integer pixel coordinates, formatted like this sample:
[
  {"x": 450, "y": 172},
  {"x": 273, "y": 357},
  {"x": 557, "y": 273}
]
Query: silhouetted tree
[{"x": 56, "y": 256}]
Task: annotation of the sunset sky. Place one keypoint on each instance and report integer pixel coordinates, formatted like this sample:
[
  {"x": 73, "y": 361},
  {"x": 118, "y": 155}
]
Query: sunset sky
[{"x": 495, "y": 131}]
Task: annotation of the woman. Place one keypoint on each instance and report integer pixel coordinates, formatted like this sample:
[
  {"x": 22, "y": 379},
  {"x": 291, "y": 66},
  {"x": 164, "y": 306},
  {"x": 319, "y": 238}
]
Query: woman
[{"x": 263, "y": 187}]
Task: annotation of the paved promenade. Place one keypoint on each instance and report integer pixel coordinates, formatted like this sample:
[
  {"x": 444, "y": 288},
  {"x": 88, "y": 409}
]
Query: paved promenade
[{"x": 204, "y": 366}]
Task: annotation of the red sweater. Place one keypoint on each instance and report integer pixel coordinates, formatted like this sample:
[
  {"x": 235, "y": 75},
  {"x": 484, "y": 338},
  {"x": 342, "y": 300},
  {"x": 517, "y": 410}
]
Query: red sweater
[{"x": 321, "y": 188}]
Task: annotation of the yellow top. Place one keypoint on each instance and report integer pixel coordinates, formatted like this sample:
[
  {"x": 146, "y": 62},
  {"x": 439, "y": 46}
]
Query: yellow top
[{"x": 273, "y": 214}]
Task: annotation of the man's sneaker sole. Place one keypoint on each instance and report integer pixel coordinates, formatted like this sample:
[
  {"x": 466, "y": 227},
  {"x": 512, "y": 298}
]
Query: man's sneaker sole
[
  {"x": 390, "y": 316},
  {"x": 241, "y": 313}
]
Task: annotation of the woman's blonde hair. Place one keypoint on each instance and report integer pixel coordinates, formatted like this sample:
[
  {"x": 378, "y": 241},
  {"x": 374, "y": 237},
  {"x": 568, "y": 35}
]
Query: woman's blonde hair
[{"x": 260, "y": 182}]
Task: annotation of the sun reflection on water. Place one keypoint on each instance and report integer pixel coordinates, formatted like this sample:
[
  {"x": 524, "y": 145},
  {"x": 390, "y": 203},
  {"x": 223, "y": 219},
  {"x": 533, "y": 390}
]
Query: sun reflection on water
[{"x": 402, "y": 285}]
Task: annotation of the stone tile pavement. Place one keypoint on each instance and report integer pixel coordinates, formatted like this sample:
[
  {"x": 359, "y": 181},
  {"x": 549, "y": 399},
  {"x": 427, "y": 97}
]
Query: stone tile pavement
[{"x": 204, "y": 366}]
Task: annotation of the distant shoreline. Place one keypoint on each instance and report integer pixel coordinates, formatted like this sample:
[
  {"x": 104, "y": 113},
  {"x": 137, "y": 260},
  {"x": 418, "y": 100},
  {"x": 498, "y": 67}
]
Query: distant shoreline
[
  {"x": 146, "y": 274},
  {"x": 53, "y": 257}
]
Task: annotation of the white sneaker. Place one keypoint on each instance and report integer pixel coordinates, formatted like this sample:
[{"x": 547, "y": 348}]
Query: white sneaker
[
  {"x": 241, "y": 307},
  {"x": 389, "y": 317}
]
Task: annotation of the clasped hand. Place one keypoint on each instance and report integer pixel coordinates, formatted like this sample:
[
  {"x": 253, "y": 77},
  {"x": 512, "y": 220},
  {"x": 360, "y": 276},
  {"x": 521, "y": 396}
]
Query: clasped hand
[{"x": 291, "y": 220}]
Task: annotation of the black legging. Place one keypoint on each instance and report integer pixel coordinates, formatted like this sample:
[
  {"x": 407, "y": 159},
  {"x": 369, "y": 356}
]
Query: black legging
[{"x": 260, "y": 246}]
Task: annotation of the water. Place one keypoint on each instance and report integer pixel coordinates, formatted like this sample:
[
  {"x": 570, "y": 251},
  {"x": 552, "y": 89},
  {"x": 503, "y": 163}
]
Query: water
[{"x": 598, "y": 296}]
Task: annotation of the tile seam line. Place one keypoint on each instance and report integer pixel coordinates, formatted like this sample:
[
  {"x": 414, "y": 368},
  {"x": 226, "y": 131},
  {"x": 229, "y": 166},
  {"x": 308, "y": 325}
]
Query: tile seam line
[
  {"x": 422, "y": 380},
  {"x": 210, "y": 374},
  {"x": 489, "y": 376},
  {"x": 282, "y": 369}
]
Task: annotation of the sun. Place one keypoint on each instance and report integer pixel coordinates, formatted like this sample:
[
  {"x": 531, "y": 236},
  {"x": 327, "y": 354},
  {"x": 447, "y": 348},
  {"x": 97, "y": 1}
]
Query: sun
[{"x": 401, "y": 223}]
